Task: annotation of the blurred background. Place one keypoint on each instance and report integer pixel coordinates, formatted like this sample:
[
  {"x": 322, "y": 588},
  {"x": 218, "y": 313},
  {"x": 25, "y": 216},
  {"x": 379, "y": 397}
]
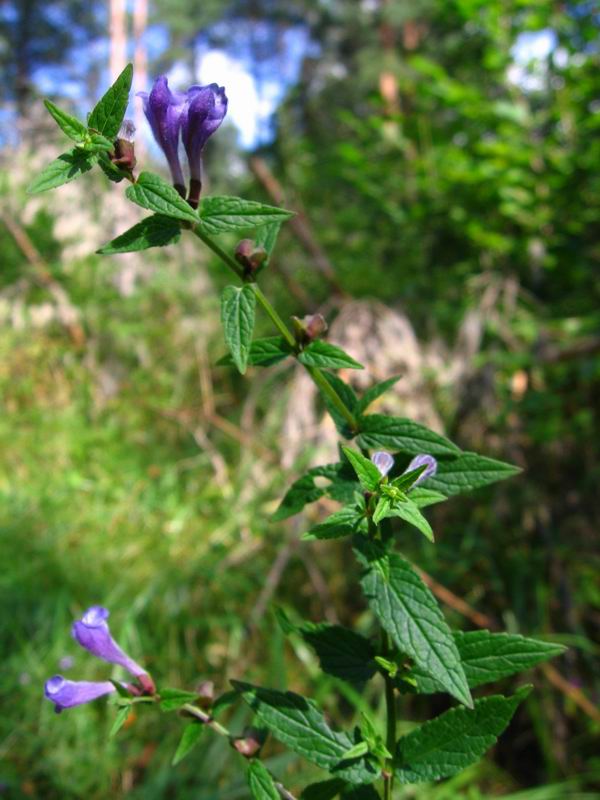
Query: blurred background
[{"x": 443, "y": 157}]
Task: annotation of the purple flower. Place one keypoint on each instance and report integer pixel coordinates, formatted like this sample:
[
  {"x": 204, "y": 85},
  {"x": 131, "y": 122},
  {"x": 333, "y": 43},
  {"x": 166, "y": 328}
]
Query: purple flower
[
  {"x": 422, "y": 460},
  {"x": 163, "y": 109},
  {"x": 65, "y": 694},
  {"x": 205, "y": 110},
  {"x": 383, "y": 461},
  {"x": 92, "y": 632}
]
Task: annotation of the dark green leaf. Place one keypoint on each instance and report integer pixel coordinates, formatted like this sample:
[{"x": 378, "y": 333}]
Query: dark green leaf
[
  {"x": 409, "y": 512},
  {"x": 120, "y": 720},
  {"x": 189, "y": 738},
  {"x": 300, "y": 725},
  {"x": 64, "y": 169},
  {"x": 219, "y": 214},
  {"x": 154, "y": 231},
  {"x": 107, "y": 115},
  {"x": 262, "y": 785},
  {"x": 70, "y": 125},
  {"x": 488, "y": 657},
  {"x": 345, "y": 522},
  {"x": 153, "y": 193},
  {"x": 112, "y": 171},
  {"x": 374, "y": 393},
  {"x": 263, "y": 352},
  {"x": 366, "y": 472},
  {"x": 469, "y": 471},
  {"x": 223, "y": 702},
  {"x": 173, "y": 699},
  {"x": 266, "y": 236},
  {"x": 406, "y": 480},
  {"x": 238, "y": 307},
  {"x": 423, "y": 497},
  {"x": 410, "y": 614},
  {"x": 304, "y": 491},
  {"x": 323, "y": 354},
  {"x": 403, "y": 435},
  {"x": 324, "y": 790},
  {"x": 454, "y": 740}
]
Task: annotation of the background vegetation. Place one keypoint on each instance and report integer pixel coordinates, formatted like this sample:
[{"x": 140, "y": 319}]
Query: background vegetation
[{"x": 444, "y": 158}]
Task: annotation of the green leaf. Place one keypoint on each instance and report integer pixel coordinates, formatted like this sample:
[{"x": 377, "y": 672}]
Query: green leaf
[
  {"x": 406, "y": 480},
  {"x": 403, "y": 435},
  {"x": 112, "y": 171},
  {"x": 153, "y": 193},
  {"x": 454, "y": 740},
  {"x": 410, "y": 614},
  {"x": 63, "y": 169},
  {"x": 423, "y": 497},
  {"x": 107, "y": 115},
  {"x": 345, "y": 522},
  {"x": 323, "y": 790},
  {"x": 189, "y": 738},
  {"x": 304, "y": 491},
  {"x": 262, "y": 785},
  {"x": 323, "y": 354},
  {"x": 99, "y": 142},
  {"x": 219, "y": 214},
  {"x": 375, "y": 393},
  {"x": 300, "y": 725},
  {"x": 263, "y": 352},
  {"x": 409, "y": 512},
  {"x": 120, "y": 720},
  {"x": 341, "y": 652},
  {"x": 488, "y": 657},
  {"x": 266, "y": 236},
  {"x": 68, "y": 124},
  {"x": 238, "y": 307},
  {"x": 469, "y": 471},
  {"x": 357, "y": 750},
  {"x": 366, "y": 472},
  {"x": 173, "y": 699},
  {"x": 154, "y": 231}
]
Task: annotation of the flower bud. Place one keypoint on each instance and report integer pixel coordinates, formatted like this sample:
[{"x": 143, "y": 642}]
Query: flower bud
[
  {"x": 251, "y": 257},
  {"x": 250, "y": 743},
  {"x": 309, "y": 328},
  {"x": 124, "y": 155},
  {"x": 206, "y": 694},
  {"x": 383, "y": 461}
]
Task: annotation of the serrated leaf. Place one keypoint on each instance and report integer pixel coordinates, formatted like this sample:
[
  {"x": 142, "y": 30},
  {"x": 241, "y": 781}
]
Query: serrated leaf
[
  {"x": 262, "y": 785},
  {"x": 408, "y": 611},
  {"x": 402, "y": 435},
  {"x": 220, "y": 214},
  {"x": 68, "y": 124},
  {"x": 304, "y": 491},
  {"x": 266, "y": 236},
  {"x": 173, "y": 699},
  {"x": 238, "y": 306},
  {"x": 62, "y": 170},
  {"x": 329, "y": 356},
  {"x": 345, "y": 522},
  {"x": 120, "y": 720},
  {"x": 189, "y": 738},
  {"x": 263, "y": 352},
  {"x": 99, "y": 142},
  {"x": 151, "y": 192},
  {"x": 154, "y": 231},
  {"x": 300, "y": 725},
  {"x": 467, "y": 472},
  {"x": 488, "y": 657},
  {"x": 341, "y": 652},
  {"x": 366, "y": 471},
  {"x": 112, "y": 171},
  {"x": 107, "y": 115},
  {"x": 409, "y": 512},
  {"x": 454, "y": 740},
  {"x": 423, "y": 497},
  {"x": 375, "y": 392}
]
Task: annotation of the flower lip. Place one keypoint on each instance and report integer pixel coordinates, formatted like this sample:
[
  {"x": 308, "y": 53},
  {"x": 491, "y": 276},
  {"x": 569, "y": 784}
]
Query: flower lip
[
  {"x": 383, "y": 461},
  {"x": 423, "y": 459},
  {"x": 95, "y": 616},
  {"x": 66, "y": 694},
  {"x": 93, "y": 634}
]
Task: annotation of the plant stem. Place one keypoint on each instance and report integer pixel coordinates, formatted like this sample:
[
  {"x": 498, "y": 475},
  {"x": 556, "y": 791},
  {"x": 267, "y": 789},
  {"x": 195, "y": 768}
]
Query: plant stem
[
  {"x": 207, "y": 719},
  {"x": 390, "y": 743},
  {"x": 319, "y": 379}
]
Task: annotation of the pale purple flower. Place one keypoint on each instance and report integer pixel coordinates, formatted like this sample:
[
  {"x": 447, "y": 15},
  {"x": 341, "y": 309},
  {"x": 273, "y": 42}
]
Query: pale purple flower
[
  {"x": 423, "y": 459},
  {"x": 383, "y": 461},
  {"x": 163, "y": 109},
  {"x": 66, "y": 694},
  {"x": 92, "y": 632}
]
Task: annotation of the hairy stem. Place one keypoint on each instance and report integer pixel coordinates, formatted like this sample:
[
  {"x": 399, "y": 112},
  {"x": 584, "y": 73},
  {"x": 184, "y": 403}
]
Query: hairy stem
[{"x": 207, "y": 719}]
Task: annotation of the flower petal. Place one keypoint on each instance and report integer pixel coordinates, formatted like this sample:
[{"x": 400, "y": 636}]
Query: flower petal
[
  {"x": 66, "y": 694},
  {"x": 92, "y": 633}
]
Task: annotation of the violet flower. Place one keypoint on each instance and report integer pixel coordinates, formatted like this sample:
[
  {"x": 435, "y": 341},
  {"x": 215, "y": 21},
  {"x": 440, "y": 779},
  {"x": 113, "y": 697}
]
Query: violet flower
[
  {"x": 66, "y": 694},
  {"x": 423, "y": 459},
  {"x": 92, "y": 632},
  {"x": 163, "y": 109},
  {"x": 205, "y": 110},
  {"x": 383, "y": 461}
]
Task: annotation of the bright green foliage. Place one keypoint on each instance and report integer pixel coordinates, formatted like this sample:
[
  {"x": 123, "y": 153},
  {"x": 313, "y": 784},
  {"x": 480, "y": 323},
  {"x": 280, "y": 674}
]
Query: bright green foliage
[
  {"x": 263, "y": 352},
  {"x": 154, "y": 231},
  {"x": 237, "y": 315},
  {"x": 221, "y": 214},
  {"x": 120, "y": 720},
  {"x": 469, "y": 471},
  {"x": 69, "y": 124},
  {"x": 403, "y": 435},
  {"x": 345, "y": 522},
  {"x": 152, "y": 192},
  {"x": 262, "y": 786},
  {"x": 298, "y": 723},
  {"x": 329, "y": 356},
  {"x": 487, "y": 657},
  {"x": 449, "y": 743},
  {"x": 404, "y": 509},
  {"x": 366, "y": 472},
  {"x": 65, "y": 168},
  {"x": 107, "y": 115},
  {"x": 189, "y": 739},
  {"x": 174, "y": 699},
  {"x": 410, "y": 614}
]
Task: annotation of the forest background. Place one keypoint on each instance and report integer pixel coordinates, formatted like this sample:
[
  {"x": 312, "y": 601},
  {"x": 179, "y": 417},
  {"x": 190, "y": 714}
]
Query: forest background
[{"x": 443, "y": 158}]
